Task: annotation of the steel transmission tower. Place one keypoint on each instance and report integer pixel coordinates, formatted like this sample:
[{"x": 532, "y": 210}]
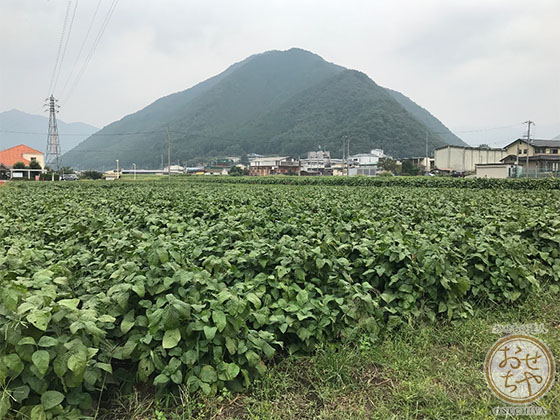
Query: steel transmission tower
[{"x": 53, "y": 143}]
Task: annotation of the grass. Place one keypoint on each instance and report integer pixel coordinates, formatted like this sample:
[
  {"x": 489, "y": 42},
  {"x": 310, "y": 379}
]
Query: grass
[{"x": 424, "y": 371}]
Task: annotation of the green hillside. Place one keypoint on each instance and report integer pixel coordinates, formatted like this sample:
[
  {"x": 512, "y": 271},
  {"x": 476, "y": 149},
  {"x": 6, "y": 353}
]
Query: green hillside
[
  {"x": 285, "y": 102},
  {"x": 426, "y": 118}
]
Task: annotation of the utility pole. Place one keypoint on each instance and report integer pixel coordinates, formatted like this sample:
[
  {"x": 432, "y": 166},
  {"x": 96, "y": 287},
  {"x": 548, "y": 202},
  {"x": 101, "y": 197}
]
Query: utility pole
[
  {"x": 53, "y": 143},
  {"x": 529, "y": 122},
  {"x": 168, "y": 155},
  {"x": 134, "y": 167},
  {"x": 118, "y": 169},
  {"x": 427, "y": 167}
]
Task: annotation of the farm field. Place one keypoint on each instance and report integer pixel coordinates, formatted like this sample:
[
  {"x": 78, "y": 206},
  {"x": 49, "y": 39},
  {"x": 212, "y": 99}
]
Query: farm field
[{"x": 190, "y": 292}]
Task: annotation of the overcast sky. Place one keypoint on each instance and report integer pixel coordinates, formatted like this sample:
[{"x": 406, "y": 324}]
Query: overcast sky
[{"x": 472, "y": 63}]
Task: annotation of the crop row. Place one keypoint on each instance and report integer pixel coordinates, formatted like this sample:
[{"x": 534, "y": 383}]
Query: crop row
[
  {"x": 397, "y": 181},
  {"x": 202, "y": 285}
]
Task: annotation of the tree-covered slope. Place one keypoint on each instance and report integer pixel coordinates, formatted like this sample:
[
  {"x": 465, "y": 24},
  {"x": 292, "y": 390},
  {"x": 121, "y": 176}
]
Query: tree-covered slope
[
  {"x": 285, "y": 102},
  {"x": 426, "y": 118}
]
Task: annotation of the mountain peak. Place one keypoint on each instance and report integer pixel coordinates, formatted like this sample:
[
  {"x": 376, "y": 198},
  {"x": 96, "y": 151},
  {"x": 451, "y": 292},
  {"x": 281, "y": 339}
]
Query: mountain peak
[{"x": 283, "y": 102}]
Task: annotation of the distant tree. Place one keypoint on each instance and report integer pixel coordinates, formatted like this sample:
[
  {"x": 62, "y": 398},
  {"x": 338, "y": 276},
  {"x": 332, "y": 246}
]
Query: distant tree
[
  {"x": 245, "y": 159},
  {"x": 91, "y": 175},
  {"x": 66, "y": 170},
  {"x": 408, "y": 168},
  {"x": 34, "y": 165},
  {"x": 19, "y": 165},
  {"x": 237, "y": 171},
  {"x": 390, "y": 165}
]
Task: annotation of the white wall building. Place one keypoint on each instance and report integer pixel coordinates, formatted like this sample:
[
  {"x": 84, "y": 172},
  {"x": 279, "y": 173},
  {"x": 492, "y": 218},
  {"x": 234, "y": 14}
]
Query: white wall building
[{"x": 367, "y": 159}]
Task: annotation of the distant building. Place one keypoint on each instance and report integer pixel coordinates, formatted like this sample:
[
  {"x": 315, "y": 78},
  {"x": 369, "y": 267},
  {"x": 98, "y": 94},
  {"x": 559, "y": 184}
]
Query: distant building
[
  {"x": 275, "y": 165},
  {"x": 494, "y": 170},
  {"x": 543, "y": 155},
  {"x": 366, "y": 159},
  {"x": 21, "y": 153},
  {"x": 426, "y": 163},
  {"x": 463, "y": 159},
  {"x": 174, "y": 169},
  {"x": 316, "y": 163}
]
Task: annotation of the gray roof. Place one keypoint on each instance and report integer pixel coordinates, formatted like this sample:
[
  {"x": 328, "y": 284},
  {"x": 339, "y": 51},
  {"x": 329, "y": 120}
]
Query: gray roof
[{"x": 538, "y": 143}]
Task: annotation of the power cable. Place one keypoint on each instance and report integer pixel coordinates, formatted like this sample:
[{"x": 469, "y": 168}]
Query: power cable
[
  {"x": 60, "y": 45},
  {"x": 65, "y": 45},
  {"x": 81, "y": 48},
  {"x": 94, "y": 47}
]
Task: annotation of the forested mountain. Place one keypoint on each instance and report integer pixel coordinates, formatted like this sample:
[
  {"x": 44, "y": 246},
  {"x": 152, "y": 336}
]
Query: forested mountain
[
  {"x": 17, "y": 127},
  {"x": 426, "y": 118},
  {"x": 278, "y": 102}
]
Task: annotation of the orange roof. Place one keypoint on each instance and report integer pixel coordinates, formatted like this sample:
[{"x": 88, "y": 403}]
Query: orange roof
[{"x": 15, "y": 154}]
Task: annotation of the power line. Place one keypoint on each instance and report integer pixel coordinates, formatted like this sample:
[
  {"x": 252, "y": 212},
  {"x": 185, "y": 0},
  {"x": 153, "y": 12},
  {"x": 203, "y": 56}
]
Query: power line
[
  {"x": 66, "y": 44},
  {"x": 81, "y": 47},
  {"x": 60, "y": 45},
  {"x": 94, "y": 47}
]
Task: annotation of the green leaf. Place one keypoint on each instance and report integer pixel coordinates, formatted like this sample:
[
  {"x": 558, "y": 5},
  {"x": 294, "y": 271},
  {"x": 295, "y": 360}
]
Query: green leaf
[
  {"x": 209, "y": 332},
  {"x": 69, "y": 303},
  {"x": 38, "y": 413},
  {"x": 20, "y": 393},
  {"x": 5, "y": 404},
  {"x": 104, "y": 366},
  {"x": 302, "y": 297},
  {"x": 252, "y": 357},
  {"x": 39, "y": 319},
  {"x": 46, "y": 341},
  {"x": 51, "y": 399},
  {"x": 127, "y": 322},
  {"x": 161, "y": 379},
  {"x": 232, "y": 370},
  {"x": 171, "y": 338},
  {"x": 231, "y": 345},
  {"x": 41, "y": 360},
  {"x": 219, "y": 319},
  {"x": 190, "y": 358},
  {"x": 388, "y": 297},
  {"x": 254, "y": 299},
  {"x": 208, "y": 374},
  {"x": 77, "y": 362},
  {"x": 14, "y": 364}
]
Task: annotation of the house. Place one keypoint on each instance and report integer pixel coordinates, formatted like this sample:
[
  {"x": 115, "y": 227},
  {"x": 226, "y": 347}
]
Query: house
[
  {"x": 21, "y": 153},
  {"x": 274, "y": 165},
  {"x": 543, "y": 156},
  {"x": 24, "y": 154},
  {"x": 463, "y": 159},
  {"x": 316, "y": 163},
  {"x": 366, "y": 159}
]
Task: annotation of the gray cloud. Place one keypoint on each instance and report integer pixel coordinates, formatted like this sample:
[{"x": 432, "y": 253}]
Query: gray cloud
[{"x": 471, "y": 63}]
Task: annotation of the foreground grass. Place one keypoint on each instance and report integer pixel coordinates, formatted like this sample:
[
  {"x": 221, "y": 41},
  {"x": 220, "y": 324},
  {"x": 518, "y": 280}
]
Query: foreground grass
[{"x": 425, "y": 371}]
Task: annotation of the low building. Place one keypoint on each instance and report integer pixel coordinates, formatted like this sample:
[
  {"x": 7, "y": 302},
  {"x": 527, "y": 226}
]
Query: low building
[
  {"x": 21, "y": 153},
  {"x": 494, "y": 170},
  {"x": 463, "y": 159},
  {"x": 274, "y": 165},
  {"x": 174, "y": 169},
  {"x": 366, "y": 159}
]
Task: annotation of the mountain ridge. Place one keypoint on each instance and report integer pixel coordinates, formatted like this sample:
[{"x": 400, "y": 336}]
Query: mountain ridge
[
  {"x": 274, "y": 102},
  {"x": 19, "y": 127}
]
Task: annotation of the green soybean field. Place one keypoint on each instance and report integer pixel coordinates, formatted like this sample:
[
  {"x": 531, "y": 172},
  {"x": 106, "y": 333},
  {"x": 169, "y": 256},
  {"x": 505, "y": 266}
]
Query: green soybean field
[{"x": 200, "y": 288}]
